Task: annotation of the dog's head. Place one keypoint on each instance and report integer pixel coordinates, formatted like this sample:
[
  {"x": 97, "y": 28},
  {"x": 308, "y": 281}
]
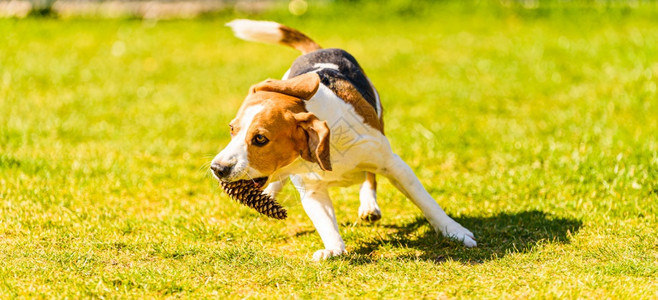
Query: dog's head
[{"x": 272, "y": 129}]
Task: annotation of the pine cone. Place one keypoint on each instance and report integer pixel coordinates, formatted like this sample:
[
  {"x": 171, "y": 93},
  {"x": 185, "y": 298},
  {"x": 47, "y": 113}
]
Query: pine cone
[{"x": 247, "y": 193}]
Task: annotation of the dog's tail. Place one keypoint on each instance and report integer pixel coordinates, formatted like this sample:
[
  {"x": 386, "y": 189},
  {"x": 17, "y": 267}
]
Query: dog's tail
[{"x": 273, "y": 33}]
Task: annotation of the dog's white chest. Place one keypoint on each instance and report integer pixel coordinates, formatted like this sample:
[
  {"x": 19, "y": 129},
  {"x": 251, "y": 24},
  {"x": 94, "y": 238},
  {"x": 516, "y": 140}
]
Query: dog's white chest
[{"x": 355, "y": 146}]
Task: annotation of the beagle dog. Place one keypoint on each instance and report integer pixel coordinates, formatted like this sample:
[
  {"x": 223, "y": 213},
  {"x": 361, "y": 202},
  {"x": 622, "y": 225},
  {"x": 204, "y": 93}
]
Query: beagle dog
[{"x": 320, "y": 126}]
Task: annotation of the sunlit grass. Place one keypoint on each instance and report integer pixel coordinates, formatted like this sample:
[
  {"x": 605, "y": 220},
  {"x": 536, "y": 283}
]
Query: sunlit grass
[{"x": 535, "y": 128}]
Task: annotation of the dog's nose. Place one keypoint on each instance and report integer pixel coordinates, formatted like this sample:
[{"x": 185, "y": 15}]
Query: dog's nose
[{"x": 221, "y": 170}]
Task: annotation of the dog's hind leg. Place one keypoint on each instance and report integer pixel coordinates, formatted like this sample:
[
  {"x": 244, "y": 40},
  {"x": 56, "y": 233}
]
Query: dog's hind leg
[
  {"x": 368, "y": 209},
  {"x": 404, "y": 179}
]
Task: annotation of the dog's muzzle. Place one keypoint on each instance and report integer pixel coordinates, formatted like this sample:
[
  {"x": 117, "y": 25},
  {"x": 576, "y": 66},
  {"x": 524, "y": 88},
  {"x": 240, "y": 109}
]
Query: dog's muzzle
[{"x": 221, "y": 171}]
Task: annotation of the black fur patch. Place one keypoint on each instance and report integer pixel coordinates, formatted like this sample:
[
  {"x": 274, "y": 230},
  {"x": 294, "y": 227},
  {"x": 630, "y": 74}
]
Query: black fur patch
[{"x": 348, "y": 69}]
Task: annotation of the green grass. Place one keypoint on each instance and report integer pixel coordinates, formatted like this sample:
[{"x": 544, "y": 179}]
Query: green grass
[{"x": 536, "y": 128}]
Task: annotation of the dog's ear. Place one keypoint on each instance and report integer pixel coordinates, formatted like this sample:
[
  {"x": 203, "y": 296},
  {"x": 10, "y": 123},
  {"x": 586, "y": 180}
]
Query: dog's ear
[
  {"x": 316, "y": 147},
  {"x": 303, "y": 86}
]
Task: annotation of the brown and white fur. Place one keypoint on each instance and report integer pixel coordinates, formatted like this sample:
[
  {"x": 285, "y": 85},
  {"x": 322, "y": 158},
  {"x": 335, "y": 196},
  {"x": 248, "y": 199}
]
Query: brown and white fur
[{"x": 321, "y": 126}]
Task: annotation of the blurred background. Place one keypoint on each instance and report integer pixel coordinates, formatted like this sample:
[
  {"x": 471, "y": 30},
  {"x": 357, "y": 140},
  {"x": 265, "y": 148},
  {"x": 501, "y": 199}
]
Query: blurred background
[{"x": 167, "y": 9}]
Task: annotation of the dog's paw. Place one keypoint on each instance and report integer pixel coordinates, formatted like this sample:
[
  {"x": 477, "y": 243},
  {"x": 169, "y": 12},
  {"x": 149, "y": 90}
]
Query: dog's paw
[
  {"x": 327, "y": 253},
  {"x": 370, "y": 214},
  {"x": 457, "y": 232}
]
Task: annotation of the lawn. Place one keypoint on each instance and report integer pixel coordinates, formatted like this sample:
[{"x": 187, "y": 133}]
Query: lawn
[{"x": 535, "y": 127}]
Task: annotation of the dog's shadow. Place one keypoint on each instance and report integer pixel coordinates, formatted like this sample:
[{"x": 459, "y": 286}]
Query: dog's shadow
[{"x": 497, "y": 236}]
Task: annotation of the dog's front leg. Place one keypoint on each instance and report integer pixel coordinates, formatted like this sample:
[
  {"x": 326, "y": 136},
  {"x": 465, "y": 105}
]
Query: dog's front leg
[
  {"x": 320, "y": 210},
  {"x": 275, "y": 187},
  {"x": 404, "y": 179}
]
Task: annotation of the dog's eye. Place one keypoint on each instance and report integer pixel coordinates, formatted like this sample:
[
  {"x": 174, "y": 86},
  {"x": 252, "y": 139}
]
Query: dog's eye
[
  {"x": 259, "y": 140},
  {"x": 231, "y": 129}
]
